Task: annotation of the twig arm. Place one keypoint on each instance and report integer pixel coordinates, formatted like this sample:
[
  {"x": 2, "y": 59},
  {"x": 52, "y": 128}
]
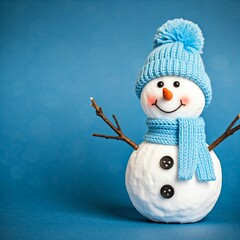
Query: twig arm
[
  {"x": 229, "y": 131},
  {"x": 106, "y": 136},
  {"x": 118, "y": 130}
]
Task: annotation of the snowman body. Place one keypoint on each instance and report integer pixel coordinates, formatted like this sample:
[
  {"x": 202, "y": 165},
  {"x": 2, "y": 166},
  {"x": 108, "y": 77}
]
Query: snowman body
[{"x": 157, "y": 193}]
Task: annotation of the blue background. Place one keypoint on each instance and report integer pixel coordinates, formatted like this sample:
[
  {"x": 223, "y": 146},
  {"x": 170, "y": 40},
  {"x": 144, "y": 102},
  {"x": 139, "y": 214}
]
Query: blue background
[{"x": 58, "y": 182}]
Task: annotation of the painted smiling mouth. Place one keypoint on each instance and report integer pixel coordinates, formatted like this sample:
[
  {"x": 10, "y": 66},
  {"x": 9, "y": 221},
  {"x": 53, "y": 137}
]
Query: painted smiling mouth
[{"x": 181, "y": 104}]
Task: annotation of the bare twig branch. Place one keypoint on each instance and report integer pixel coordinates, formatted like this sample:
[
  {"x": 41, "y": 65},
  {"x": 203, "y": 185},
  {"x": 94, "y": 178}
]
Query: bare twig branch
[
  {"x": 116, "y": 121},
  {"x": 236, "y": 128},
  {"x": 229, "y": 131},
  {"x": 121, "y": 136},
  {"x": 233, "y": 122},
  {"x": 106, "y": 136}
]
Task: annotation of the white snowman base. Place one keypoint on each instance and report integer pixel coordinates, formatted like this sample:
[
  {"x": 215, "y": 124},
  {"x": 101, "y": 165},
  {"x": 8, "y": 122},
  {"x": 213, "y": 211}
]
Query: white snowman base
[{"x": 148, "y": 183}]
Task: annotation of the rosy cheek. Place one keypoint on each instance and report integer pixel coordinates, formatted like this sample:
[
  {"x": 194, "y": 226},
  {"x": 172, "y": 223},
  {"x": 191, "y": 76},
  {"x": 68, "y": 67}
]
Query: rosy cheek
[
  {"x": 151, "y": 100},
  {"x": 185, "y": 100}
]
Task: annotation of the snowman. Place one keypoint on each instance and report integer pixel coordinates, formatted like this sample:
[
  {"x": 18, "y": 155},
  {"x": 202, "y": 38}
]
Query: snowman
[{"x": 172, "y": 176}]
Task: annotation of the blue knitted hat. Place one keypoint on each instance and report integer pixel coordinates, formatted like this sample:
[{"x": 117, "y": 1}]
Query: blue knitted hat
[{"x": 177, "y": 48}]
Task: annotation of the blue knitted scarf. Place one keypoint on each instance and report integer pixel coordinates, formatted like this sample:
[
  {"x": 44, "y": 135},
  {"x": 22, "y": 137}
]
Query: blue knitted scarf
[{"x": 189, "y": 135}]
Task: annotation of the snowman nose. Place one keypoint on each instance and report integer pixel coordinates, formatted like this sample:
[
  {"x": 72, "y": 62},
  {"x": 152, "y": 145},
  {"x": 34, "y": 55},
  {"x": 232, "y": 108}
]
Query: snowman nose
[{"x": 167, "y": 94}]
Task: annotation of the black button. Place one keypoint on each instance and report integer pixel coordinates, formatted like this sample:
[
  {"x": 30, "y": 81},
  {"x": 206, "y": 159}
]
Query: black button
[
  {"x": 166, "y": 162},
  {"x": 167, "y": 191}
]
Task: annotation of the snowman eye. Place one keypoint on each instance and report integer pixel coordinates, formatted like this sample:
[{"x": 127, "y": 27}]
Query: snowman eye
[
  {"x": 176, "y": 84},
  {"x": 160, "y": 84}
]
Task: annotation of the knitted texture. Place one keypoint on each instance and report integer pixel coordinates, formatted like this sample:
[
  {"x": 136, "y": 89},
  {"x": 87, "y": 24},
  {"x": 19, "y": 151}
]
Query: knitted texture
[
  {"x": 178, "y": 45},
  {"x": 189, "y": 135}
]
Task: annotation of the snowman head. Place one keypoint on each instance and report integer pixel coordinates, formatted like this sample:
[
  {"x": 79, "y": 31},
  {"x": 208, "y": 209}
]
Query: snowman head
[
  {"x": 173, "y": 82},
  {"x": 171, "y": 97}
]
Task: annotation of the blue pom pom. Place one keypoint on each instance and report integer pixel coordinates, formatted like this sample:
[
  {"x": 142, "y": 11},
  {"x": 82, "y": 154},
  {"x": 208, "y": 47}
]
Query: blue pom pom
[{"x": 179, "y": 30}]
